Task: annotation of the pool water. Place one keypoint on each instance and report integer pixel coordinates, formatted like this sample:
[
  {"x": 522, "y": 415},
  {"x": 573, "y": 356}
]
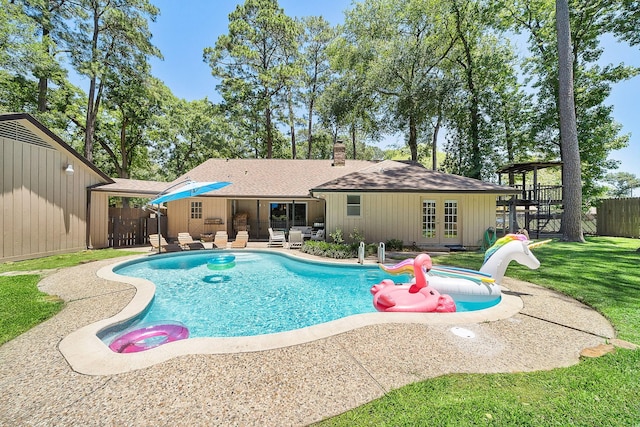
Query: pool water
[{"x": 262, "y": 293}]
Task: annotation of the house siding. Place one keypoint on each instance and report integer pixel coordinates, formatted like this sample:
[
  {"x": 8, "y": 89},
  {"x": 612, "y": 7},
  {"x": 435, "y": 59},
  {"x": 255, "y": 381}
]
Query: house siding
[
  {"x": 44, "y": 210},
  {"x": 99, "y": 223},
  {"x": 179, "y": 217},
  {"x": 386, "y": 216}
]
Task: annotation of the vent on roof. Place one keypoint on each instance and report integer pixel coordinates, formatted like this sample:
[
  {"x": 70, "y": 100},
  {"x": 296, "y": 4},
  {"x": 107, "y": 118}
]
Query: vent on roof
[{"x": 12, "y": 129}]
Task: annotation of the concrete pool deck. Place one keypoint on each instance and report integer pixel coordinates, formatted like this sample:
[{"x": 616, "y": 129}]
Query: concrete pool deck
[{"x": 293, "y": 385}]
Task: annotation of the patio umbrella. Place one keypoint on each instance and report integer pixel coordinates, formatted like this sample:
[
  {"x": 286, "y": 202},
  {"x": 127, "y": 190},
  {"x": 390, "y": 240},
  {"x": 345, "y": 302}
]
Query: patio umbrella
[{"x": 191, "y": 189}]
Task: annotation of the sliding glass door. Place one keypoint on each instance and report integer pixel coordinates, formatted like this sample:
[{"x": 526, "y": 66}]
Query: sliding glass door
[{"x": 286, "y": 215}]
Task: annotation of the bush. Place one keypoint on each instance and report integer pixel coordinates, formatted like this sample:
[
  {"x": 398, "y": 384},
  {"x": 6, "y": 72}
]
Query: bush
[
  {"x": 329, "y": 250},
  {"x": 394, "y": 245},
  {"x": 337, "y": 236}
]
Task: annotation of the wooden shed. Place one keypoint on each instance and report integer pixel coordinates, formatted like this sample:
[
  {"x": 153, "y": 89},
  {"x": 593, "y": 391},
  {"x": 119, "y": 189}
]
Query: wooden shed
[{"x": 45, "y": 193}]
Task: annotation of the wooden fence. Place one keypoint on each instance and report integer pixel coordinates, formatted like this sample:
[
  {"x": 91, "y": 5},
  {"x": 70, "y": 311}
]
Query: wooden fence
[
  {"x": 619, "y": 218},
  {"x": 127, "y": 227}
]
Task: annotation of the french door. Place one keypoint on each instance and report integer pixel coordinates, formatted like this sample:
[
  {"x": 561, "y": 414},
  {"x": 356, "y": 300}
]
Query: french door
[{"x": 440, "y": 222}]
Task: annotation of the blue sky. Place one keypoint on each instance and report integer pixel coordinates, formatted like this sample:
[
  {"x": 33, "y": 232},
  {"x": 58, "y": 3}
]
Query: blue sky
[{"x": 184, "y": 28}]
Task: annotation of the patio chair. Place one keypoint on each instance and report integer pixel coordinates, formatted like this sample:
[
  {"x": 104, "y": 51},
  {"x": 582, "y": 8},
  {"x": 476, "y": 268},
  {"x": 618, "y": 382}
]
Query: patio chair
[
  {"x": 159, "y": 242},
  {"x": 318, "y": 235},
  {"x": 221, "y": 240},
  {"x": 184, "y": 239},
  {"x": 276, "y": 238},
  {"x": 295, "y": 239},
  {"x": 195, "y": 246},
  {"x": 241, "y": 240}
]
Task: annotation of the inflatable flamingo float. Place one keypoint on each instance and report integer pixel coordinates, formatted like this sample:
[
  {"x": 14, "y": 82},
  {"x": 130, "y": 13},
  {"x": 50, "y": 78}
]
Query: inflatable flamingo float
[
  {"x": 477, "y": 286},
  {"x": 416, "y": 297}
]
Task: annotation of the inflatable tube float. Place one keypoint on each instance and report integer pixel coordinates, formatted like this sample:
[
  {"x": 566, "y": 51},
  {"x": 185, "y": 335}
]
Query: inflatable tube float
[
  {"x": 221, "y": 262},
  {"x": 148, "y": 337}
]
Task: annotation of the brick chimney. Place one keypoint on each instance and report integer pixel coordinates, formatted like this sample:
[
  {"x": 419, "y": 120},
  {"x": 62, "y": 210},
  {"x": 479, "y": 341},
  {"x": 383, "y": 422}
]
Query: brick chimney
[{"x": 339, "y": 153}]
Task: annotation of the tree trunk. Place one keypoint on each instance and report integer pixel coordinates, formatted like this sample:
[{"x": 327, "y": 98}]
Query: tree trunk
[
  {"x": 93, "y": 103},
  {"x": 569, "y": 147},
  {"x": 353, "y": 139},
  {"x": 292, "y": 127},
  {"x": 434, "y": 140},
  {"x": 309, "y": 130},
  {"x": 413, "y": 138},
  {"x": 269, "y": 141}
]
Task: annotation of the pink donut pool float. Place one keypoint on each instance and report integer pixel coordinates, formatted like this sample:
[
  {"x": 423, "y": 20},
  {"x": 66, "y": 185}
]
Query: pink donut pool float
[{"x": 149, "y": 336}]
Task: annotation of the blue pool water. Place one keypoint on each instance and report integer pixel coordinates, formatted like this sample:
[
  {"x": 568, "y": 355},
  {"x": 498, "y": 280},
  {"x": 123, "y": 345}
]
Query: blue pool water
[{"x": 262, "y": 293}]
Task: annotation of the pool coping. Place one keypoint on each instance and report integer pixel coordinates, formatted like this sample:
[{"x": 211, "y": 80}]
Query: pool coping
[{"x": 87, "y": 354}]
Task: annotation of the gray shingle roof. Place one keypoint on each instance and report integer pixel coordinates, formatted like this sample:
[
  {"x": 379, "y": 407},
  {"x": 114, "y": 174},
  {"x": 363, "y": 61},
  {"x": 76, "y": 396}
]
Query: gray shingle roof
[
  {"x": 286, "y": 178},
  {"x": 134, "y": 187},
  {"x": 254, "y": 178},
  {"x": 393, "y": 176}
]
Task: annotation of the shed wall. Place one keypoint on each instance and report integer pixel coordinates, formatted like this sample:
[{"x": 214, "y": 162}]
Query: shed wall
[{"x": 44, "y": 210}]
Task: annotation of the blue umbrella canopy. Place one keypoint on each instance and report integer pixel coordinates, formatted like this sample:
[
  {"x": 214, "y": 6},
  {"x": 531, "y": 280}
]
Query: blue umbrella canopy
[{"x": 192, "y": 189}]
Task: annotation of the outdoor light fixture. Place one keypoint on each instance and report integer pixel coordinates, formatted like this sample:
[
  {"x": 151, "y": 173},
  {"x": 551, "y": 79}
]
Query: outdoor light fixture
[{"x": 69, "y": 170}]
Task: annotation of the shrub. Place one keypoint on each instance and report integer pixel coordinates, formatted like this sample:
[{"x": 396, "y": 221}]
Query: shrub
[
  {"x": 329, "y": 250},
  {"x": 337, "y": 236},
  {"x": 356, "y": 236},
  {"x": 393, "y": 245}
]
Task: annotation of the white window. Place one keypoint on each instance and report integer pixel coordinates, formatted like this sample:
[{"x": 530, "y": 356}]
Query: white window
[
  {"x": 450, "y": 219},
  {"x": 196, "y": 210},
  {"x": 429, "y": 219},
  {"x": 353, "y": 205}
]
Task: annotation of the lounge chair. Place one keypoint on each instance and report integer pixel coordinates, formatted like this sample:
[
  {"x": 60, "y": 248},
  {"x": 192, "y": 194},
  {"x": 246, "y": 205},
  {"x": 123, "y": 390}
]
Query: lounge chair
[
  {"x": 221, "y": 240},
  {"x": 276, "y": 238},
  {"x": 184, "y": 239},
  {"x": 159, "y": 242},
  {"x": 318, "y": 235},
  {"x": 295, "y": 239},
  {"x": 241, "y": 240},
  {"x": 195, "y": 246}
]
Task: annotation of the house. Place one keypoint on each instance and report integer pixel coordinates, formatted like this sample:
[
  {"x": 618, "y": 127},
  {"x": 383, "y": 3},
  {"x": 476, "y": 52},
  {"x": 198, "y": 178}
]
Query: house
[
  {"x": 46, "y": 198},
  {"x": 68, "y": 207},
  {"x": 382, "y": 200}
]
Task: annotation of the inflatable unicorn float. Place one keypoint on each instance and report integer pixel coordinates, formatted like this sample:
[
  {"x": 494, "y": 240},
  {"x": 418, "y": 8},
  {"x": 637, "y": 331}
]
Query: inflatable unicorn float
[{"x": 436, "y": 288}]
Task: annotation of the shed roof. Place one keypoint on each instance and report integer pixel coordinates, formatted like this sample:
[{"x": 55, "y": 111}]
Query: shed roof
[
  {"x": 527, "y": 167},
  {"x": 25, "y": 128},
  {"x": 133, "y": 187},
  {"x": 394, "y": 176}
]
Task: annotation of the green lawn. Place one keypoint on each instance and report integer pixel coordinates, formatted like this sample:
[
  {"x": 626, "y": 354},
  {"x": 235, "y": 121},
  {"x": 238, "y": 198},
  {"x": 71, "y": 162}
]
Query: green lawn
[
  {"x": 64, "y": 260},
  {"x": 22, "y": 305},
  {"x": 603, "y": 273}
]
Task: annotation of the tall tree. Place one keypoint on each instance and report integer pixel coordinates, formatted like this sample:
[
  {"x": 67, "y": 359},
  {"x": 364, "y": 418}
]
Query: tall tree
[
  {"x": 398, "y": 47},
  {"x": 254, "y": 60},
  {"x": 51, "y": 18},
  {"x": 598, "y": 134},
  {"x": 187, "y": 133},
  {"x": 316, "y": 39},
  {"x": 113, "y": 34},
  {"x": 622, "y": 184},
  {"x": 571, "y": 169}
]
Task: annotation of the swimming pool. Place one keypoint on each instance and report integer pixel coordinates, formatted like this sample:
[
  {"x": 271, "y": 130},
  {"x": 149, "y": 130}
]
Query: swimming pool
[{"x": 262, "y": 293}]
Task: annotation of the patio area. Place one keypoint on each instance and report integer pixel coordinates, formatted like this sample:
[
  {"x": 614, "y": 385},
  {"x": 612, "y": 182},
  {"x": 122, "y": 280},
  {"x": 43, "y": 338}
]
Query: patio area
[{"x": 293, "y": 385}]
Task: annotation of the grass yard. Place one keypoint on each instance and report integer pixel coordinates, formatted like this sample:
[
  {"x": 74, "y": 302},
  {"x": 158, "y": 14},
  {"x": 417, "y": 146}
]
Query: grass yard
[
  {"x": 603, "y": 273},
  {"x": 64, "y": 260},
  {"x": 22, "y": 305}
]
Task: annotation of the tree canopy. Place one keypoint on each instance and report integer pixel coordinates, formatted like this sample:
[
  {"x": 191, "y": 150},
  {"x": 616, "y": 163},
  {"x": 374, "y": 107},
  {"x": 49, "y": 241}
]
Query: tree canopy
[{"x": 443, "y": 74}]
